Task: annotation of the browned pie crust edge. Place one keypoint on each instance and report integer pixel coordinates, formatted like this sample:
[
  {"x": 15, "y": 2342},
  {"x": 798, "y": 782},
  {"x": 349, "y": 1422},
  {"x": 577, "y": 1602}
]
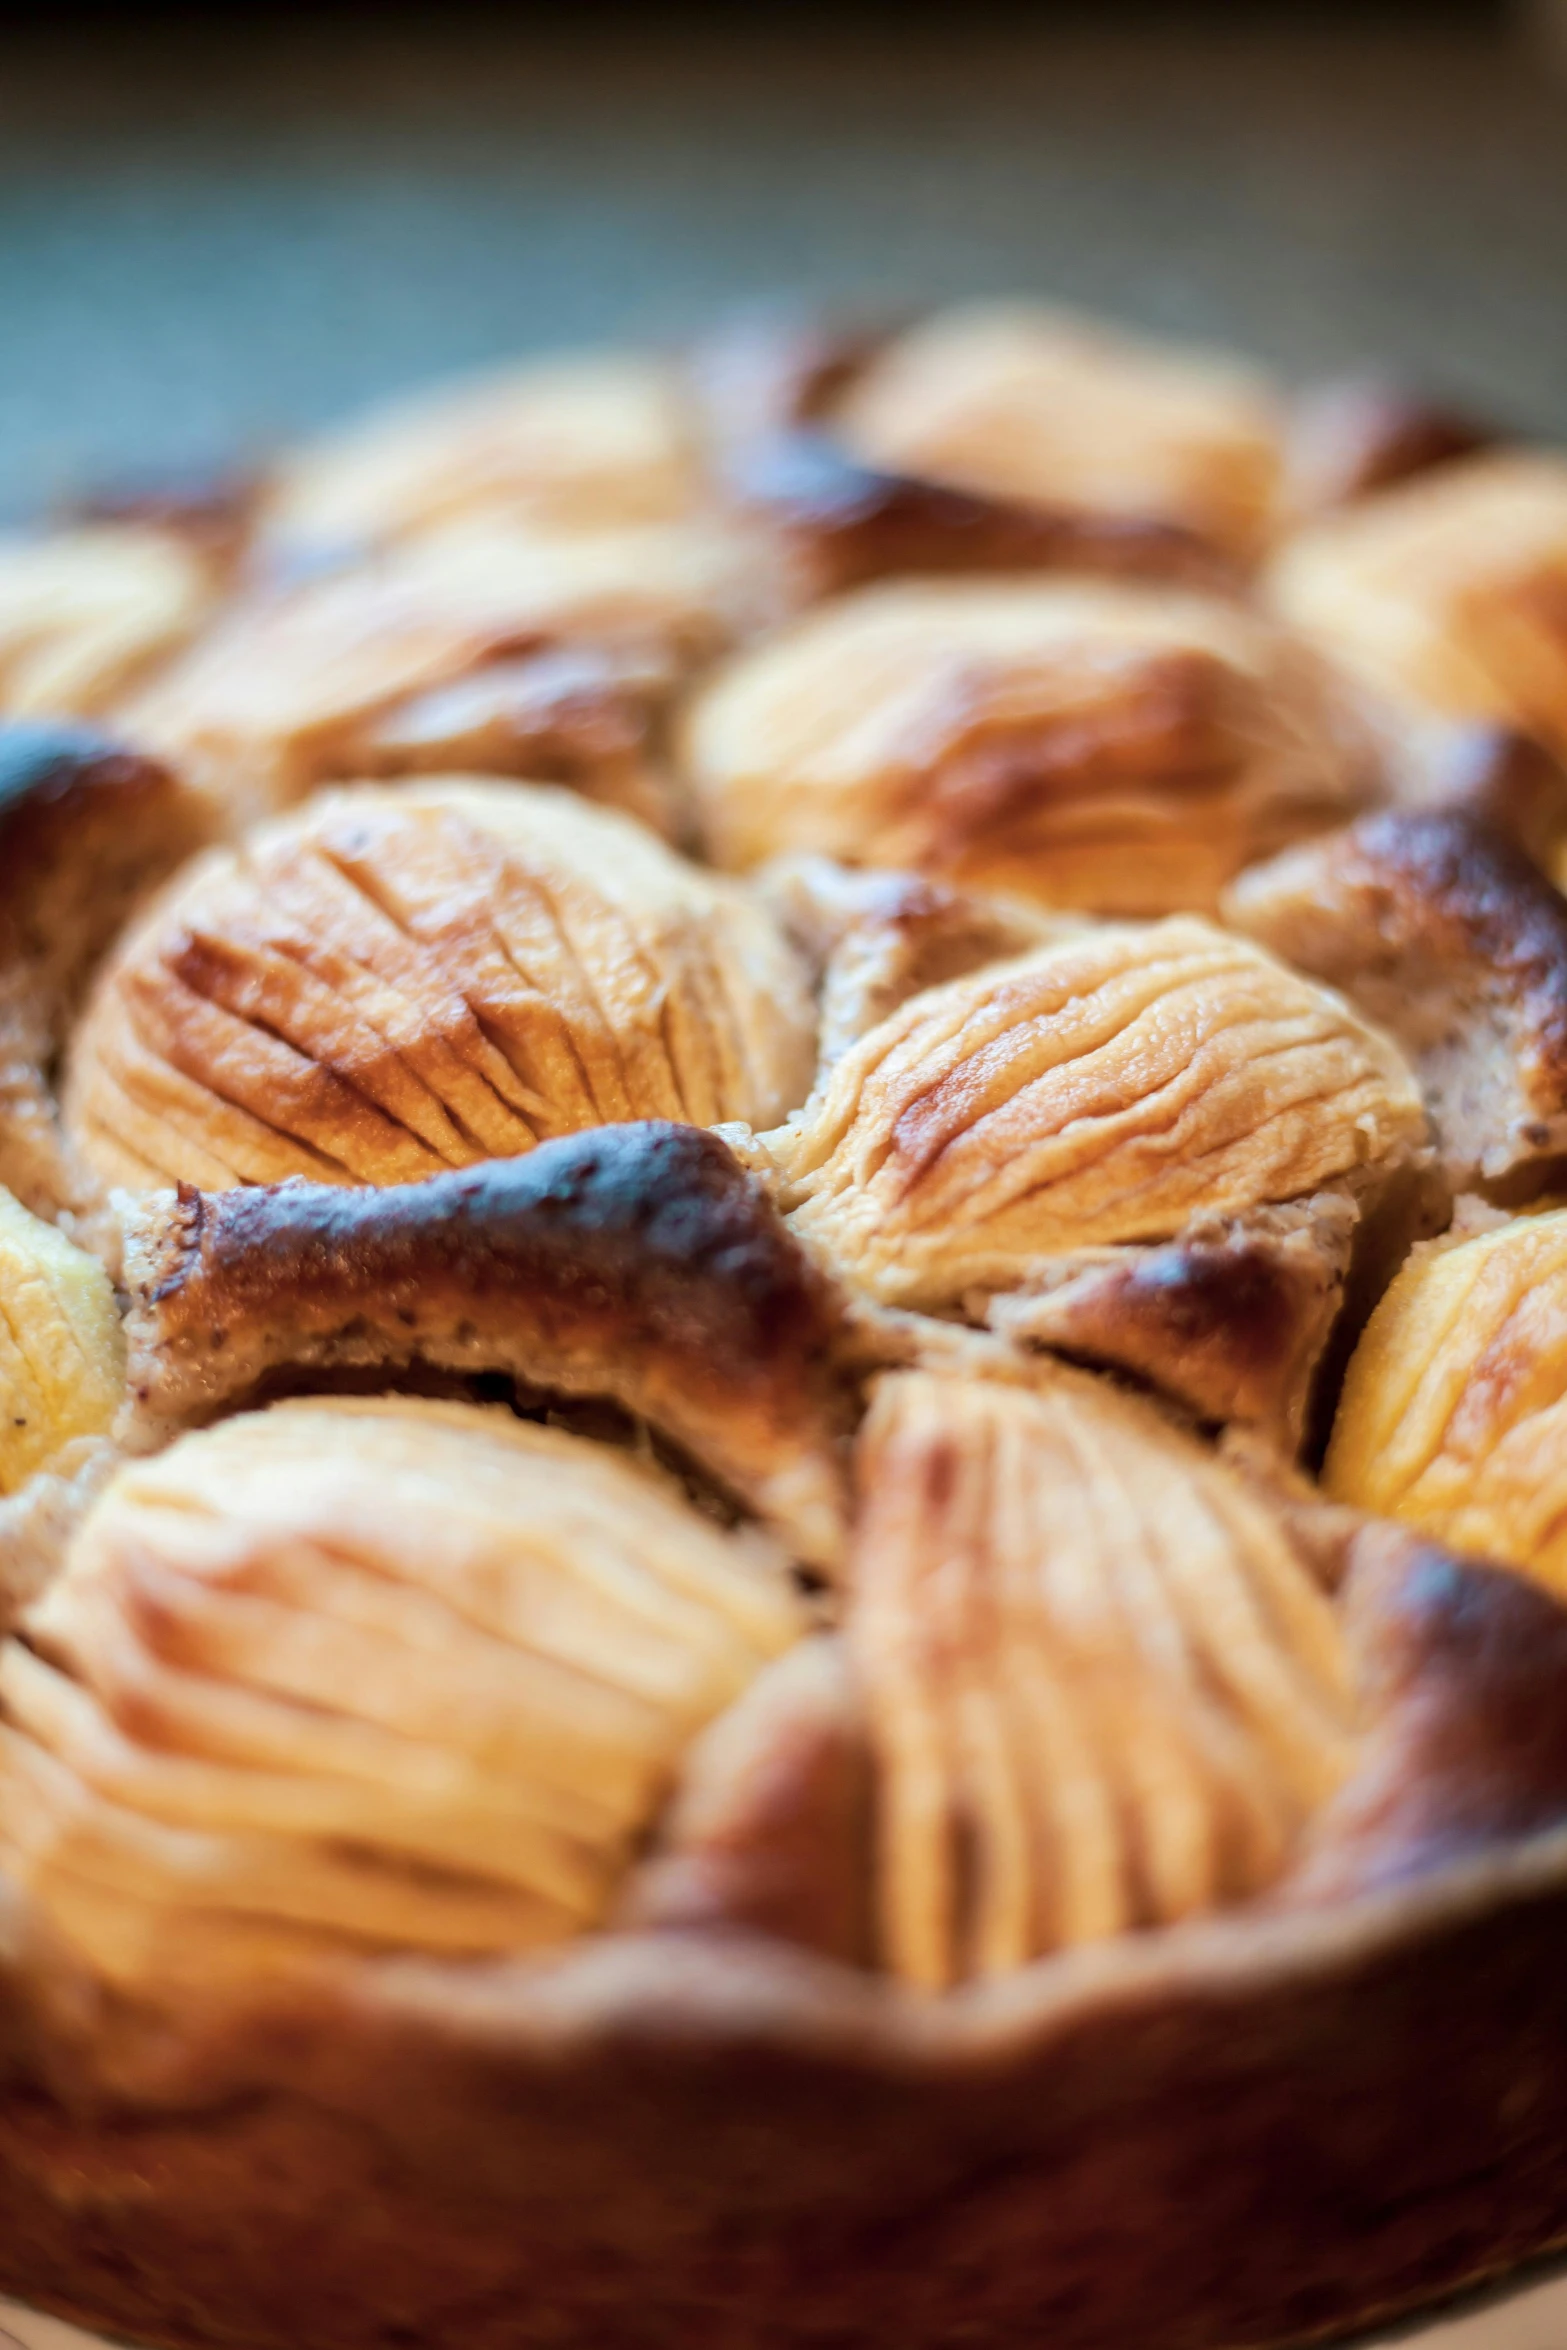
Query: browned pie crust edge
[
  {"x": 1259, "y": 2128},
  {"x": 636, "y": 1262},
  {"x": 1253, "y": 2131}
]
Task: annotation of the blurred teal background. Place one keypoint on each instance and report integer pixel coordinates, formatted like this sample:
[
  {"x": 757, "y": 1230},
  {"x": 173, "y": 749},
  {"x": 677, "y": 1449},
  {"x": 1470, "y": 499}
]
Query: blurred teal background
[{"x": 216, "y": 229}]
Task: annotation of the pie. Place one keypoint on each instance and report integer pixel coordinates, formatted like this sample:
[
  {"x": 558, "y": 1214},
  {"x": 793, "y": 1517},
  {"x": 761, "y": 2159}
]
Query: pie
[{"x": 783, "y": 1357}]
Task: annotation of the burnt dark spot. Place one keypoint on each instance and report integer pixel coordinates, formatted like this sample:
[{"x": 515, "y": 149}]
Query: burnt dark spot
[{"x": 1200, "y": 1293}]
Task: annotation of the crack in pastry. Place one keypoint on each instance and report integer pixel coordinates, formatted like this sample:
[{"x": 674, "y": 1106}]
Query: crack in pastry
[
  {"x": 878, "y": 938},
  {"x": 87, "y": 615},
  {"x": 588, "y": 443},
  {"x": 365, "y": 1675},
  {"x": 548, "y": 655},
  {"x": 1454, "y": 1406},
  {"x": 1450, "y": 940},
  {"x": 392, "y": 982},
  {"x": 87, "y": 827},
  {"x": 1448, "y": 593},
  {"x": 1077, "y": 743},
  {"x": 637, "y": 1263},
  {"x": 1107, "y": 1089},
  {"x": 1036, "y": 406},
  {"x": 1102, "y": 1689}
]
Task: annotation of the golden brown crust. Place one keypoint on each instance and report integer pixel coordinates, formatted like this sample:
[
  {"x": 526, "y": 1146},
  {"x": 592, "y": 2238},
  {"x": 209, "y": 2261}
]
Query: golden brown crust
[
  {"x": 563, "y": 2152},
  {"x": 1230, "y": 1321},
  {"x": 486, "y": 648},
  {"x": 1450, "y": 939},
  {"x": 638, "y": 1263},
  {"x": 87, "y": 826},
  {"x": 1446, "y": 592},
  {"x": 1079, "y": 744},
  {"x": 1042, "y": 409},
  {"x": 395, "y": 980},
  {"x": 842, "y": 524},
  {"x": 994, "y": 1126}
]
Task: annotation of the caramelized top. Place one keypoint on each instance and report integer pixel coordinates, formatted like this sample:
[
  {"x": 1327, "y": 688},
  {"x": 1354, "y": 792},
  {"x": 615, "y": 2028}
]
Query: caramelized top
[
  {"x": 1117, "y": 747},
  {"x": 1451, "y": 590},
  {"x": 393, "y": 982},
  {"x": 591, "y": 442},
  {"x": 1036, "y": 405},
  {"x": 359, "y": 673},
  {"x": 1103, "y": 1689},
  {"x": 1102, "y": 1090}
]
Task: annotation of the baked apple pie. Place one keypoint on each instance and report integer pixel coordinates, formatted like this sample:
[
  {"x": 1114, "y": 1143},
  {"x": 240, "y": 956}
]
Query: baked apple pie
[{"x": 783, "y": 1340}]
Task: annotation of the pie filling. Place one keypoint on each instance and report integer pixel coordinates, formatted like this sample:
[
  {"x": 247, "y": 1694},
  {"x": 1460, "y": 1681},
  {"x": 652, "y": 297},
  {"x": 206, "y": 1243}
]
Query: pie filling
[{"x": 821, "y": 1011}]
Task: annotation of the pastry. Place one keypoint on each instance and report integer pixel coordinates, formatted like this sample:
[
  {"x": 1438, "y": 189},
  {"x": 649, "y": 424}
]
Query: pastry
[
  {"x": 88, "y": 615},
  {"x": 498, "y": 647},
  {"x": 1120, "y": 748},
  {"x": 1450, "y": 941},
  {"x": 1447, "y": 591},
  {"x": 781, "y": 1275},
  {"x": 1457, "y": 1393},
  {"x": 1045, "y": 409},
  {"x": 402, "y": 980},
  {"x": 87, "y": 828},
  {"x": 589, "y": 443},
  {"x": 1146, "y": 1145}
]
